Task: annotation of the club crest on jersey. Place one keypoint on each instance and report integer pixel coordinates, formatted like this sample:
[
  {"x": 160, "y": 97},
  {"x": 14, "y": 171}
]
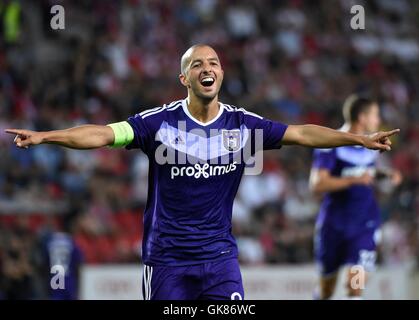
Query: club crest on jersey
[{"x": 231, "y": 139}]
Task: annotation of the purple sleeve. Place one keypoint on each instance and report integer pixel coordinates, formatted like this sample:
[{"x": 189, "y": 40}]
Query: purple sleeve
[
  {"x": 273, "y": 131},
  {"x": 143, "y": 136},
  {"x": 324, "y": 159}
]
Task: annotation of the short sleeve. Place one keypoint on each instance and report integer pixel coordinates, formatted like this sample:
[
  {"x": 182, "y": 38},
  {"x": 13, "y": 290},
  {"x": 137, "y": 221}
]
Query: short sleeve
[
  {"x": 324, "y": 159},
  {"x": 272, "y": 131},
  {"x": 143, "y": 136}
]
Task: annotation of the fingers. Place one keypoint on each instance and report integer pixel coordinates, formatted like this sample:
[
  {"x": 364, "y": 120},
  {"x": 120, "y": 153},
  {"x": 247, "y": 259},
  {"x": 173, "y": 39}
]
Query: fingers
[
  {"x": 23, "y": 143},
  {"x": 383, "y": 143},
  {"x": 386, "y": 147},
  {"x": 387, "y": 141},
  {"x": 22, "y": 139},
  {"x": 20, "y": 143},
  {"x": 382, "y": 147},
  {"x": 14, "y": 131},
  {"x": 390, "y": 133}
]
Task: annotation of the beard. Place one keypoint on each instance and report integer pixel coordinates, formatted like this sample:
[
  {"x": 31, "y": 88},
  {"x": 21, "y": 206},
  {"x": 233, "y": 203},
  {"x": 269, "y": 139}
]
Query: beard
[{"x": 205, "y": 96}]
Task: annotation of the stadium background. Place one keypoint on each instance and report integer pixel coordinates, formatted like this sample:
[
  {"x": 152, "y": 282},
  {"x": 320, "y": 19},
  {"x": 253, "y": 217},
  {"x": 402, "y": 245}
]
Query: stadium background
[{"x": 293, "y": 61}]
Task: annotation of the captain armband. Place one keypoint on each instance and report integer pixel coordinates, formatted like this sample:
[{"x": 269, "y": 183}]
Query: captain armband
[{"x": 123, "y": 134}]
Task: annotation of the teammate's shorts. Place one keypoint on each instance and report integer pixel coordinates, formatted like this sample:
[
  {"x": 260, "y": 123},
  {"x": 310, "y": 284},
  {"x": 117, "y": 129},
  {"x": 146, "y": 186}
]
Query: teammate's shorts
[
  {"x": 219, "y": 280},
  {"x": 334, "y": 249}
]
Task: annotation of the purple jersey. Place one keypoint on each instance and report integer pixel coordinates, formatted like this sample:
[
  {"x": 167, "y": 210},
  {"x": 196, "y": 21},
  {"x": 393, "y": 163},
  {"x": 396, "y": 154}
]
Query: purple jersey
[
  {"x": 348, "y": 219},
  {"x": 188, "y": 213},
  {"x": 354, "y": 208}
]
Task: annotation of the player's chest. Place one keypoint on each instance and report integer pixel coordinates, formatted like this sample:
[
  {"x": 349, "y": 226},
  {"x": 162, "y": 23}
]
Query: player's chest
[{"x": 184, "y": 145}]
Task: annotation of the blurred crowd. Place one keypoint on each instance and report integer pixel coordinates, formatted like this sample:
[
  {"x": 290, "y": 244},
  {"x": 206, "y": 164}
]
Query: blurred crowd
[{"x": 294, "y": 61}]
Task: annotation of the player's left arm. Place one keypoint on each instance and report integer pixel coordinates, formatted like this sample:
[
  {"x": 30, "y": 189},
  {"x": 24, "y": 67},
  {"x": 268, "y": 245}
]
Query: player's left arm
[
  {"x": 321, "y": 137},
  {"x": 394, "y": 175}
]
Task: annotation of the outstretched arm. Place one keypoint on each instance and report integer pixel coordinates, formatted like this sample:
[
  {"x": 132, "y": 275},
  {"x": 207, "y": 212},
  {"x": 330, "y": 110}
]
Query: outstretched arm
[
  {"x": 321, "y": 137},
  {"x": 82, "y": 137}
]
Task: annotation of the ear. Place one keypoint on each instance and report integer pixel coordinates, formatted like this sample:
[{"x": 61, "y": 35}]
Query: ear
[{"x": 183, "y": 80}]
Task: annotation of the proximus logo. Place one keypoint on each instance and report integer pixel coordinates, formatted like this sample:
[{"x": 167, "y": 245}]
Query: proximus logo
[{"x": 202, "y": 170}]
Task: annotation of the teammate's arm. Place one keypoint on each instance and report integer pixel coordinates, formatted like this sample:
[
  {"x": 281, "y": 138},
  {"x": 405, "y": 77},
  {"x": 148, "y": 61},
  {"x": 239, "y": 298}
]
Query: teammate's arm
[
  {"x": 81, "y": 137},
  {"x": 322, "y": 181},
  {"x": 394, "y": 175},
  {"x": 321, "y": 137}
]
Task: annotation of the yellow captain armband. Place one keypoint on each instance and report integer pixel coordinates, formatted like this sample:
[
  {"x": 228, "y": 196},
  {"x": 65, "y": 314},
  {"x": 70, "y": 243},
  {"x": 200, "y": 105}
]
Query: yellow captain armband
[{"x": 123, "y": 134}]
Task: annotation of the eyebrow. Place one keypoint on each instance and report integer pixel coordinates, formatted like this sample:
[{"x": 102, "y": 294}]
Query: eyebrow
[{"x": 200, "y": 60}]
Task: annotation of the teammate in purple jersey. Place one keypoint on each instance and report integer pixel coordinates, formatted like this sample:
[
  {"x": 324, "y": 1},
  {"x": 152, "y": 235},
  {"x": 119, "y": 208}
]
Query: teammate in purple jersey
[
  {"x": 188, "y": 250},
  {"x": 347, "y": 227}
]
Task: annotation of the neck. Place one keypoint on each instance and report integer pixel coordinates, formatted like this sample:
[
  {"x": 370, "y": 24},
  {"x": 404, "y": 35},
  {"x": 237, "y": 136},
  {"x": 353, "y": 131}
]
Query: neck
[
  {"x": 202, "y": 110},
  {"x": 356, "y": 129}
]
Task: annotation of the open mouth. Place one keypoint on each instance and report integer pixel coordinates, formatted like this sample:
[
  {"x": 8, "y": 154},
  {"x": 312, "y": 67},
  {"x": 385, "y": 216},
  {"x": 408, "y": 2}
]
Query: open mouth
[{"x": 207, "y": 81}]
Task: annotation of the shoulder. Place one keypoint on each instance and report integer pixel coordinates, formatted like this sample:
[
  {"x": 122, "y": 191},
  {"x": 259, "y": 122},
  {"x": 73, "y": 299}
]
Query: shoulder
[
  {"x": 324, "y": 158},
  {"x": 159, "y": 111},
  {"x": 241, "y": 112},
  {"x": 155, "y": 116},
  {"x": 325, "y": 152}
]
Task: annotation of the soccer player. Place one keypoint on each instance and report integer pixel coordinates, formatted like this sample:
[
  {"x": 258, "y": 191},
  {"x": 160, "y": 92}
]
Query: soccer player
[
  {"x": 189, "y": 251},
  {"x": 347, "y": 227}
]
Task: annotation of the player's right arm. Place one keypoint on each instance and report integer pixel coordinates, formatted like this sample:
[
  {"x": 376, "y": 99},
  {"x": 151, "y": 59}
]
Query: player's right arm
[
  {"x": 81, "y": 137},
  {"x": 322, "y": 181}
]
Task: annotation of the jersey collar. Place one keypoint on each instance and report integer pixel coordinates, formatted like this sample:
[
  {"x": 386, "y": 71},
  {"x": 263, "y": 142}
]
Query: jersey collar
[{"x": 204, "y": 124}]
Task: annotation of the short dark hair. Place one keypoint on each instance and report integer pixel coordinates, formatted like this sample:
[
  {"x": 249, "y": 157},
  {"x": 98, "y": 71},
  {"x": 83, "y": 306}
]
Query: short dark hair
[{"x": 354, "y": 105}]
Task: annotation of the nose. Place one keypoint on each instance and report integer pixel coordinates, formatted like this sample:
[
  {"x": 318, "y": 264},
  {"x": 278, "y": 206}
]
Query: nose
[{"x": 206, "y": 68}]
